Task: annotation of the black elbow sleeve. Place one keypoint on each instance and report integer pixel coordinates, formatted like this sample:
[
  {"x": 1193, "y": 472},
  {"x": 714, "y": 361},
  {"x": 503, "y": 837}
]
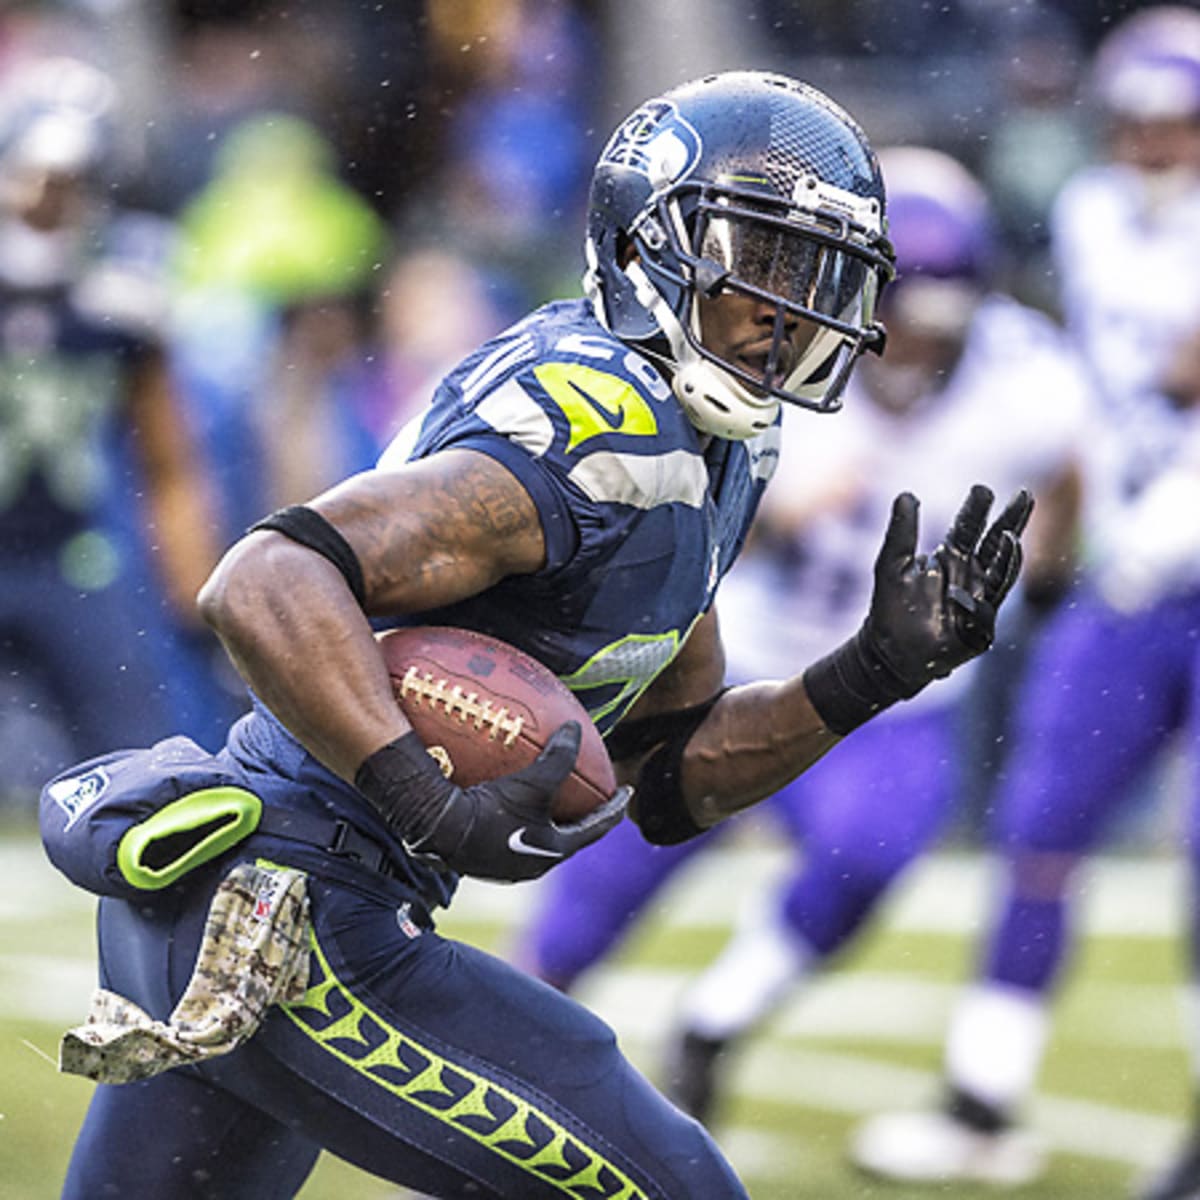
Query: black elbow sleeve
[{"x": 658, "y": 807}]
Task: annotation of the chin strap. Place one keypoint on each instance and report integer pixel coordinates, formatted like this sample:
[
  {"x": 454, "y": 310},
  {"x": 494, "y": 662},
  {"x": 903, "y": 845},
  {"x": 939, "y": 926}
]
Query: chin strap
[{"x": 715, "y": 402}]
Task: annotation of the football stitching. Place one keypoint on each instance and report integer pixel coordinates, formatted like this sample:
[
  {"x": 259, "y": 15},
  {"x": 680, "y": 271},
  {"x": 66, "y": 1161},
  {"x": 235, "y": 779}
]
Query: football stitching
[{"x": 464, "y": 705}]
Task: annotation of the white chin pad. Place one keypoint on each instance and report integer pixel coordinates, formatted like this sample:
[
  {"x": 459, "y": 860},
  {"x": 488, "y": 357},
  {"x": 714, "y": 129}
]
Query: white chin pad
[{"x": 719, "y": 405}]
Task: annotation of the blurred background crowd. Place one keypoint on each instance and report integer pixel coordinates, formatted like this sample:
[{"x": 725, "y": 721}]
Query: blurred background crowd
[{"x": 284, "y": 220}]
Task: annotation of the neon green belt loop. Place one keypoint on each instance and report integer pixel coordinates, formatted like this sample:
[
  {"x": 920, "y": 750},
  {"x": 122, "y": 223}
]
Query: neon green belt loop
[{"x": 185, "y": 833}]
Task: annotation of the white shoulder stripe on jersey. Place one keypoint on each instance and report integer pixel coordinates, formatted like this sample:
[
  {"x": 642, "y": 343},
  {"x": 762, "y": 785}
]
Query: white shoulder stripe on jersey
[
  {"x": 510, "y": 410},
  {"x": 643, "y": 480},
  {"x": 505, "y": 355},
  {"x": 397, "y": 451}
]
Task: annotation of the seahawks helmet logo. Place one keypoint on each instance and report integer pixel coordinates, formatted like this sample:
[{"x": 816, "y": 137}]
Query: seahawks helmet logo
[{"x": 656, "y": 142}]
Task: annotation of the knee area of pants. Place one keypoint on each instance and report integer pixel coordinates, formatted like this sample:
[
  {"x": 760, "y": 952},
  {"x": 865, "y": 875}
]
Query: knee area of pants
[
  {"x": 698, "y": 1168},
  {"x": 862, "y": 871},
  {"x": 1041, "y": 875}
]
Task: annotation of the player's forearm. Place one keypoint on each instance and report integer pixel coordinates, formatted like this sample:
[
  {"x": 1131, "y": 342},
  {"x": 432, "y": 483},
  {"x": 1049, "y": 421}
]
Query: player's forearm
[
  {"x": 289, "y": 604},
  {"x": 294, "y": 631},
  {"x": 757, "y": 738}
]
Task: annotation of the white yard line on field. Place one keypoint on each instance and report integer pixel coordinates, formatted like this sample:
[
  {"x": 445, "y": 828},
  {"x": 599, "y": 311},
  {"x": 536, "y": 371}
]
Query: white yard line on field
[
  {"x": 32, "y": 890},
  {"x": 640, "y": 1002},
  {"x": 44, "y": 988},
  {"x": 941, "y": 894},
  {"x": 853, "y": 1085}
]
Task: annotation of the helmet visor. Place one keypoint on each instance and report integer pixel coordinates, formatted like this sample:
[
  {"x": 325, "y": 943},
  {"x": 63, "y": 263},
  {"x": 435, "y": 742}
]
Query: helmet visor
[{"x": 778, "y": 261}]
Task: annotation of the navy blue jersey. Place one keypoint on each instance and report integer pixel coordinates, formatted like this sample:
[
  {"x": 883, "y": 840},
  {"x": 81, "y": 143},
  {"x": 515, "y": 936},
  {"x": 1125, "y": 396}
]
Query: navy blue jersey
[{"x": 641, "y": 516}]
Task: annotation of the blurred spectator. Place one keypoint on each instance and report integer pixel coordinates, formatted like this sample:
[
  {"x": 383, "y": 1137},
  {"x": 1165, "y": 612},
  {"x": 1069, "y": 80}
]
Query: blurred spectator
[
  {"x": 310, "y": 420},
  {"x": 359, "y": 73},
  {"x": 104, "y": 509},
  {"x": 275, "y": 221},
  {"x": 1039, "y": 138},
  {"x": 1112, "y": 682},
  {"x": 278, "y": 258},
  {"x": 973, "y": 387},
  {"x": 349, "y": 372},
  {"x": 517, "y": 144},
  {"x": 224, "y": 68},
  {"x": 435, "y": 306}
]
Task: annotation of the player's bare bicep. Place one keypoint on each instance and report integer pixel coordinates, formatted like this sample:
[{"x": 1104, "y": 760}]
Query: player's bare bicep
[{"x": 437, "y": 530}]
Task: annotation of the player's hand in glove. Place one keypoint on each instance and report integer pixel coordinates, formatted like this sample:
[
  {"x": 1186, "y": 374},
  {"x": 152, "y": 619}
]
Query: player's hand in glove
[
  {"x": 501, "y": 829},
  {"x": 929, "y": 614}
]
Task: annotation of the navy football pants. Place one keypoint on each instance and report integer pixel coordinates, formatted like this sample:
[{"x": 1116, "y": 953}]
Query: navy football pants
[{"x": 417, "y": 1058}]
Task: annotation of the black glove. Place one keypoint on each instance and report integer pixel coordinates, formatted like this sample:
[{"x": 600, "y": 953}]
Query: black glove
[
  {"x": 928, "y": 614},
  {"x": 498, "y": 830}
]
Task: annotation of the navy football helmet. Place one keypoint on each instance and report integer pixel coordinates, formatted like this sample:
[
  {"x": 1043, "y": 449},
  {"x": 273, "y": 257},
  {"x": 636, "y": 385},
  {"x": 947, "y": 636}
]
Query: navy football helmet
[{"x": 743, "y": 182}]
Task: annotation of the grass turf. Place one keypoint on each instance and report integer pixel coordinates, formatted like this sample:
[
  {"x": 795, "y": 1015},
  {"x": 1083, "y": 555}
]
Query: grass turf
[{"x": 1117, "y": 1043}]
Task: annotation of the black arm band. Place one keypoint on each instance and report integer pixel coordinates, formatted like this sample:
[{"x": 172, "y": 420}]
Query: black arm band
[
  {"x": 851, "y": 685},
  {"x": 306, "y": 526},
  {"x": 658, "y": 807}
]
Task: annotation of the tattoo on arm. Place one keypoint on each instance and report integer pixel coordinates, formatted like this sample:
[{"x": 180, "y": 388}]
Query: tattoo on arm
[{"x": 439, "y": 530}]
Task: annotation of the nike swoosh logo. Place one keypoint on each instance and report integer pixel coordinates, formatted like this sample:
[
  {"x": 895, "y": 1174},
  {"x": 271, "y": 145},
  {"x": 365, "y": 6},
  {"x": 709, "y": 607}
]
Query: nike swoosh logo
[
  {"x": 518, "y": 845},
  {"x": 612, "y": 421}
]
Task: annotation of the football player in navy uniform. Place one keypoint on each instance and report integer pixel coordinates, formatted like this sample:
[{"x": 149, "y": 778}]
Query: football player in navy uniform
[
  {"x": 1112, "y": 682},
  {"x": 578, "y": 488},
  {"x": 973, "y": 385},
  {"x": 104, "y": 509}
]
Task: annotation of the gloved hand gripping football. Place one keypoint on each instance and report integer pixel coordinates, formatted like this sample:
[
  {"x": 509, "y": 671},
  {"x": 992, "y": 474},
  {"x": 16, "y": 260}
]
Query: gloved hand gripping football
[
  {"x": 928, "y": 615},
  {"x": 500, "y": 829}
]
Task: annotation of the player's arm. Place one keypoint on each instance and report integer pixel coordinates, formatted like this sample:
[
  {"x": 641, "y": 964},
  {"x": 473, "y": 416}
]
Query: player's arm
[
  {"x": 701, "y": 754},
  {"x": 716, "y": 750},
  {"x": 291, "y": 604},
  {"x": 424, "y": 535}
]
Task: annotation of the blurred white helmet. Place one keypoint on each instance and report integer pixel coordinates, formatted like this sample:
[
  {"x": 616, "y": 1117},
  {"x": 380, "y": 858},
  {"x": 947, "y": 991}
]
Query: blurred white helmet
[
  {"x": 940, "y": 226},
  {"x": 1148, "y": 68},
  {"x": 56, "y": 114}
]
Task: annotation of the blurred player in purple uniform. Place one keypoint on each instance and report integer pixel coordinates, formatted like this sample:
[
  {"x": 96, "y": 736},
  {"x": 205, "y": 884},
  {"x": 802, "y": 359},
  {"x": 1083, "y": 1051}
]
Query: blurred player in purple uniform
[
  {"x": 973, "y": 384},
  {"x": 1114, "y": 679}
]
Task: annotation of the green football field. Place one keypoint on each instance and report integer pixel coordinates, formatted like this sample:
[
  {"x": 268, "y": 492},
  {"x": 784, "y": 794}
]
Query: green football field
[{"x": 863, "y": 1038}]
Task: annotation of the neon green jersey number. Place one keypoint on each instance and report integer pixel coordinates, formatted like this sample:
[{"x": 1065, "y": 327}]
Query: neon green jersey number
[{"x": 629, "y": 665}]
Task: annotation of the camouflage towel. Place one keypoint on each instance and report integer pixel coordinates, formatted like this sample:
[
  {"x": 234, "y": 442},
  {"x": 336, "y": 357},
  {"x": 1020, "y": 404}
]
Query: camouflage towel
[{"x": 254, "y": 954}]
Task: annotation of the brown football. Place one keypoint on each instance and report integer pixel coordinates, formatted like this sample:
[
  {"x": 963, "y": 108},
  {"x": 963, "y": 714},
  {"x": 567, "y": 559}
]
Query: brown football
[{"x": 484, "y": 709}]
